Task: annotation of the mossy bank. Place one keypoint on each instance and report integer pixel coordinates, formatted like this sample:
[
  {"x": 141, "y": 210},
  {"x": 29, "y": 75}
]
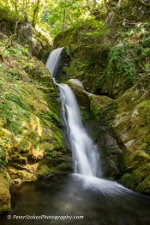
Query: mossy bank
[{"x": 31, "y": 137}]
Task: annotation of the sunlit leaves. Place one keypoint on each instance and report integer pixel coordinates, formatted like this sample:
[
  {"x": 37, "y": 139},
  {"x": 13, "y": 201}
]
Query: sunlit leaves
[{"x": 53, "y": 15}]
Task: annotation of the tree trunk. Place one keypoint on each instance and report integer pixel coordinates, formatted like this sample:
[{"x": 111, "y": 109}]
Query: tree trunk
[
  {"x": 119, "y": 3},
  {"x": 26, "y": 7},
  {"x": 35, "y": 13},
  {"x": 15, "y": 5},
  {"x": 64, "y": 16},
  {"x": 94, "y": 3},
  {"x": 88, "y": 4},
  {"x": 106, "y": 6},
  {"x": 12, "y": 37}
]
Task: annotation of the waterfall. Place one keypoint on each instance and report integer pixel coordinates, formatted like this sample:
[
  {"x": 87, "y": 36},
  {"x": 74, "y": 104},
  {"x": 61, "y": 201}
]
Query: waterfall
[
  {"x": 53, "y": 60},
  {"x": 84, "y": 151},
  {"x": 85, "y": 155}
]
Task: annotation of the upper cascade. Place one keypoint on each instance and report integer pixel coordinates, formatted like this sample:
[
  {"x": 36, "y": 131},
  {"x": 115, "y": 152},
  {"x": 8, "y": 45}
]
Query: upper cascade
[{"x": 53, "y": 60}]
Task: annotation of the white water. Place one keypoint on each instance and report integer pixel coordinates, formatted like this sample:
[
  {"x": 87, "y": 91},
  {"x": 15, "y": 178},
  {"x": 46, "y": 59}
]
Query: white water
[
  {"x": 84, "y": 151},
  {"x": 53, "y": 60},
  {"x": 85, "y": 155}
]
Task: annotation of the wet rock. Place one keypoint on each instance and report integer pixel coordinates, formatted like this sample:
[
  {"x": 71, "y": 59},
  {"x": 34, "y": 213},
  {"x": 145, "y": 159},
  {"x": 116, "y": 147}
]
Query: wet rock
[
  {"x": 122, "y": 133},
  {"x": 81, "y": 94}
]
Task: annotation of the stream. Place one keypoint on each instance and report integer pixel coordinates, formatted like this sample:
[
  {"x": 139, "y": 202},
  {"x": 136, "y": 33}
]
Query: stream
[
  {"x": 84, "y": 197},
  {"x": 69, "y": 196}
]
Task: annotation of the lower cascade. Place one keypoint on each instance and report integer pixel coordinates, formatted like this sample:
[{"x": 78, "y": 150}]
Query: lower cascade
[{"x": 85, "y": 156}]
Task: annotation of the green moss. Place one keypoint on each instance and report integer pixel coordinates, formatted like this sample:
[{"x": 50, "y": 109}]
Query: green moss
[
  {"x": 121, "y": 70},
  {"x": 44, "y": 170},
  {"x": 5, "y": 198},
  {"x": 30, "y": 125},
  {"x": 65, "y": 167},
  {"x": 128, "y": 180},
  {"x": 82, "y": 97},
  {"x": 146, "y": 43},
  {"x": 138, "y": 179},
  {"x": 109, "y": 59},
  {"x": 112, "y": 62},
  {"x": 147, "y": 148},
  {"x": 127, "y": 119},
  {"x": 144, "y": 186}
]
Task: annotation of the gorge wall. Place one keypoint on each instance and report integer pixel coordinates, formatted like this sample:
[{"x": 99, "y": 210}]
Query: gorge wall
[{"x": 111, "y": 59}]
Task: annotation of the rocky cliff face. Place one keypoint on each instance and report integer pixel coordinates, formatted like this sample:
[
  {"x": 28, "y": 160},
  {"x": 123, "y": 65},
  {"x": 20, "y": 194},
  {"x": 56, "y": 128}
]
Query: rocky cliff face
[
  {"x": 122, "y": 133},
  {"x": 111, "y": 60}
]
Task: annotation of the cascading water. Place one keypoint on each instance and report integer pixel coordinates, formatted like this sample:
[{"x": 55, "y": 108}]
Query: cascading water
[
  {"x": 53, "y": 60},
  {"x": 85, "y": 155},
  {"x": 99, "y": 201},
  {"x": 64, "y": 199}
]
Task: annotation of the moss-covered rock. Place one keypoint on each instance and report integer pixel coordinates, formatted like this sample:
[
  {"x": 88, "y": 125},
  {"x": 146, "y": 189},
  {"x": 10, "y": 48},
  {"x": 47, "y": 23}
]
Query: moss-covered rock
[
  {"x": 130, "y": 127},
  {"x": 97, "y": 104},
  {"x": 122, "y": 133},
  {"x": 112, "y": 62},
  {"x": 99, "y": 107},
  {"x": 4, "y": 193},
  {"x": 81, "y": 94},
  {"x": 109, "y": 57},
  {"x": 31, "y": 138}
]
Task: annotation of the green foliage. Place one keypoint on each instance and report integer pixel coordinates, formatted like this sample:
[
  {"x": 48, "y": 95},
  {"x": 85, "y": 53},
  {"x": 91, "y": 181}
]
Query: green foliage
[
  {"x": 145, "y": 52},
  {"x": 121, "y": 70},
  {"x": 109, "y": 60},
  {"x": 29, "y": 115},
  {"x": 53, "y": 15},
  {"x": 61, "y": 15},
  {"x": 147, "y": 148},
  {"x": 13, "y": 51},
  {"x": 7, "y": 14},
  {"x": 17, "y": 99},
  {"x": 3, "y": 153},
  {"x": 146, "y": 43},
  {"x": 11, "y": 110},
  {"x": 25, "y": 9},
  {"x": 122, "y": 63}
]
